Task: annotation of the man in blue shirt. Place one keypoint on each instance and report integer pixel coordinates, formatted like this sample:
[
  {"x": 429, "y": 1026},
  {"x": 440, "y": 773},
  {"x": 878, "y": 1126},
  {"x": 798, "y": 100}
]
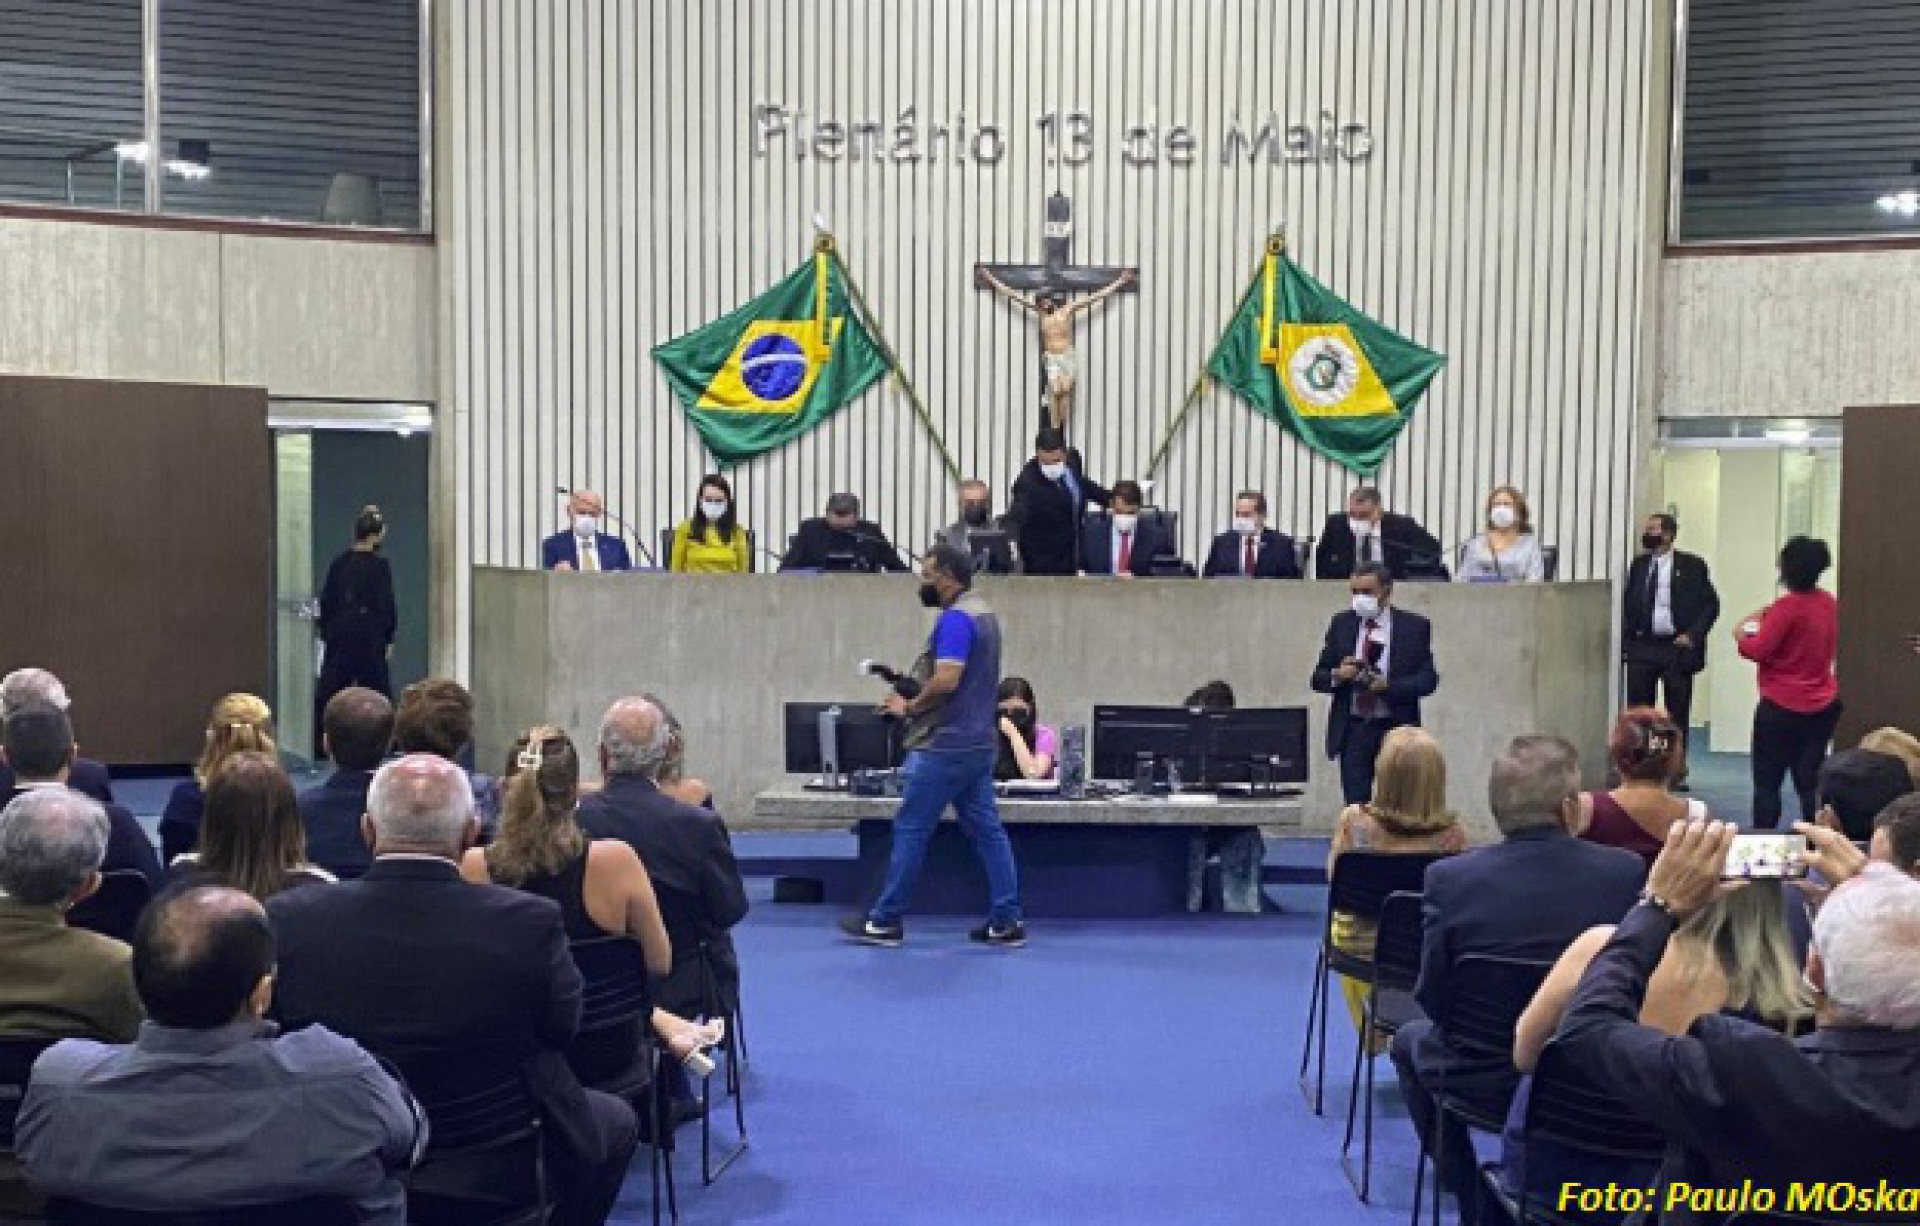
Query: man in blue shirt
[{"x": 950, "y": 759}]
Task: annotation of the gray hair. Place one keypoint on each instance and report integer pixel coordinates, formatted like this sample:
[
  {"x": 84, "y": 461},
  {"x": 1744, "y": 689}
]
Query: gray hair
[
  {"x": 31, "y": 687},
  {"x": 421, "y": 801},
  {"x": 51, "y": 841},
  {"x": 1531, "y": 780},
  {"x": 1868, "y": 935},
  {"x": 636, "y": 735}
]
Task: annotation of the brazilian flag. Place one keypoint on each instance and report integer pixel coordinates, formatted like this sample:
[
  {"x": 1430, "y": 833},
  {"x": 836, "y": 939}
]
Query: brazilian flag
[
  {"x": 1340, "y": 382},
  {"x": 770, "y": 371}
]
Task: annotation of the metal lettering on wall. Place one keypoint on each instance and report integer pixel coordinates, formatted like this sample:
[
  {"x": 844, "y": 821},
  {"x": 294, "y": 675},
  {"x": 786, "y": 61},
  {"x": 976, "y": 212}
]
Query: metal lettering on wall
[{"x": 1068, "y": 138}]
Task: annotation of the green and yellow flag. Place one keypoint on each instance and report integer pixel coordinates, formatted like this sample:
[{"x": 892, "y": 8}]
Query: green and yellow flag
[
  {"x": 1340, "y": 382},
  {"x": 765, "y": 374}
]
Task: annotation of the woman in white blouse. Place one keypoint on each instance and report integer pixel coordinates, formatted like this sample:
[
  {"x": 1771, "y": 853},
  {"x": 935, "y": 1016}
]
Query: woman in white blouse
[{"x": 1507, "y": 551}]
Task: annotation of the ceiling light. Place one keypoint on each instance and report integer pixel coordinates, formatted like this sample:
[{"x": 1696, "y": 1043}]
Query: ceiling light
[
  {"x": 131, "y": 151},
  {"x": 1792, "y": 436}
]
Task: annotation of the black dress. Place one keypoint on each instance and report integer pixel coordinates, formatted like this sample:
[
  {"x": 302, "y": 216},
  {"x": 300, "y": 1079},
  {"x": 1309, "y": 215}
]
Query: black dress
[{"x": 357, "y": 621}]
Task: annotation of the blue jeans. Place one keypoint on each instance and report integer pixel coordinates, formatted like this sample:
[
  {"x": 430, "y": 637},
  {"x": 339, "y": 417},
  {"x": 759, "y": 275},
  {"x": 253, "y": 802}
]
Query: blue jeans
[{"x": 934, "y": 781}]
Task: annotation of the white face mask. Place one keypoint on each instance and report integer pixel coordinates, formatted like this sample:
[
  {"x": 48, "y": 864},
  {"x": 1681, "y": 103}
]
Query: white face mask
[
  {"x": 1360, "y": 527},
  {"x": 1245, "y": 525},
  {"x": 712, "y": 509},
  {"x": 1366, "y": 607},
  {"x": 585, "y": 525},
  {"x": 1053, "y": 472},
  {"x": 1501, "y": 516},
  {"x": 1126, "y": 523}
]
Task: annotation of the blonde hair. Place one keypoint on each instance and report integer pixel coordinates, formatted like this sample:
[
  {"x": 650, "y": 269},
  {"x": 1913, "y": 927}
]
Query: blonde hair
[
  {"x": 1745, "y": 933},
  {"x": 539, "y": 834},
  {"x": 1410, "y": 784},
  {"x": 240, "y": 723},
  {"x": 1522, "y": 513},
  {"x": 1896, "y": 743}
]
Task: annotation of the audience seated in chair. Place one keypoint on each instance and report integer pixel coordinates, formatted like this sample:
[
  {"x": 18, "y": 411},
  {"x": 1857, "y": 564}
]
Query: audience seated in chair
[
  {"x": 1735, "y": 955},
  {"x": 1649, "y": 753},
  {"x": 357, "y": 733},
  {"x": 673, "y": 778},
  {"x": 686, "y": 851},
  {"x": 1408, "y": 813},
  {"x": 1896, "y": 835},
  {"x": 211, "y": 1107},
  {"x": 427, "y": 969},
  {"x": 1528, "y": 896},
  {"x": 1737, "y": 1100},
  {"x": 36, "y": 687},
  {"x": 250, "y": 834},
  {"x": 1855, "y": 785},
  {"x": 599, "y": 885},
  {"x": 240, "y": 723},
  {"x": 435, "y": 716},
  {"x": 1897, "y": 743},
  {"x": 39, "y": 747}
]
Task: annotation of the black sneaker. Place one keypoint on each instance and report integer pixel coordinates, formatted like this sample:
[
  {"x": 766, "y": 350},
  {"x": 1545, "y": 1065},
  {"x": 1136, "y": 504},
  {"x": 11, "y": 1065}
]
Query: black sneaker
[
  {"x": 1009, "y": 936},
  {"x": 865, "y": 931}
]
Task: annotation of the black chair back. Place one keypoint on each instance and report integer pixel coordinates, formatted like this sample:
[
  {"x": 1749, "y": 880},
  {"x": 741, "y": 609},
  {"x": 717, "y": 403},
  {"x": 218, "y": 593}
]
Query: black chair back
[
  {"x": 611, "y": 1051},
  {"x": 310, "y": 1212},
  {"x": 1549, "y": 562},
  {"x": 1303, "y": 554},
  {"x": 1396, "y": 950},
  {"x": 1487, "y": 995},
  {"x": 115, "y": 907},
  {"x": 1362, "y": 880},
  {"x": 1568, "y": 1107},
  {"x": 484, "y": 1160},
  {"x": 16, "y": 1065}
]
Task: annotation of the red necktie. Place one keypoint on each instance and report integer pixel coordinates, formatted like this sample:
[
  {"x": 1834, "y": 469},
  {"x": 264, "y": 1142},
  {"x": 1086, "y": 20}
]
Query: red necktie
[
  {"x": 1366, "y": 702},
  {"x": 1253, "y": 555},
  {"x": 1126, "y": 554}
]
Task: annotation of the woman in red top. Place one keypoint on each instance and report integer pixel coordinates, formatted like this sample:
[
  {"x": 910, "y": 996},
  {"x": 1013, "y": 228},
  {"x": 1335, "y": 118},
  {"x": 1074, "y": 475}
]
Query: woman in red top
[{"x": 1793, "y": 641}]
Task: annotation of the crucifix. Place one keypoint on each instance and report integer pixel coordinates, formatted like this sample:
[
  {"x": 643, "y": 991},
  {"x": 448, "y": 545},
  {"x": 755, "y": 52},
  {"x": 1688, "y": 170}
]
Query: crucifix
[{"x": 1050, "y": 284}]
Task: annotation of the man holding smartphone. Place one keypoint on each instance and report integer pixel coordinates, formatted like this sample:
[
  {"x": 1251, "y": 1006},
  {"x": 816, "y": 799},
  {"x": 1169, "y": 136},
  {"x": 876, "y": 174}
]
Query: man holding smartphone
[{"x": 1377, "y": 663}]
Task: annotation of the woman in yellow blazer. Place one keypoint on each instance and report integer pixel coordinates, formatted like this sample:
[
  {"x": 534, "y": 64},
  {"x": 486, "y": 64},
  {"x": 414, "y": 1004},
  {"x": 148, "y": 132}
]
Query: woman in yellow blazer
[{"x": 712, "y": 542}]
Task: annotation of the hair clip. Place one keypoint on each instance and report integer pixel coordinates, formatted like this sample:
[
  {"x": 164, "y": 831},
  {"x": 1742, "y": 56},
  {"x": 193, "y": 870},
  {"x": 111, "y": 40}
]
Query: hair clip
[
  {"x": 1659, "y": 743},
  {"x": 532, "y": 757}
]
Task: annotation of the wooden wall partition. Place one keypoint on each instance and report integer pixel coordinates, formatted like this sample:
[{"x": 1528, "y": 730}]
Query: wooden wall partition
[
  {"x": 1879, "y": 583},
  {"x": 139, "y": 521}
]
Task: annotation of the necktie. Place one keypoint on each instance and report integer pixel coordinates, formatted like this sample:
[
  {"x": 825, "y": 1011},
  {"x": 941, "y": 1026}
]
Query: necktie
[
  {"x": 1653, "y": 590},
  {"x": 1126, "y": 554},
  {"x": 1366, "y": 547},
  {"x": 1366, "y": 702},
  {"x": 1253, "y": 556},
  {"x": 589, "y": 551}
]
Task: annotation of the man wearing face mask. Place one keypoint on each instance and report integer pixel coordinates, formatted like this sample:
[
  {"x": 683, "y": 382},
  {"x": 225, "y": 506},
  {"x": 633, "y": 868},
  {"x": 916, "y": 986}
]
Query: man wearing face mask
[
  {"x": 993, "y": 555},
  {"x": 1377, "y": 662},
  {"x": 1249, "y": 549},
  {"x": 1122, "y": 542},
  {"x": 840, "y": 540},
  {"x": 953, "y": 746},
  {"x": 1369, "y": 533},
  {"x": 1665, "y": 615},
  {"x": 583, "y": 547},
  {"x": 1050, "y": 498}
]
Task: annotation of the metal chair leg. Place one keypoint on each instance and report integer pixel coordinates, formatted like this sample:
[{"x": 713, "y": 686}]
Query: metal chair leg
[
  {"x": 735, "y": 1087},
  {"x": 1419, "y": 1181},
  {"x": 1313, "y": 1014},
  {"x": 1362, "y": 1053}
]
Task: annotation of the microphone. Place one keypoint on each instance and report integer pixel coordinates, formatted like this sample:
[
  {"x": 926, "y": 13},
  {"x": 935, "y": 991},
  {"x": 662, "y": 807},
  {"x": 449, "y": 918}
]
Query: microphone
[{"x": 626, "y": 529}]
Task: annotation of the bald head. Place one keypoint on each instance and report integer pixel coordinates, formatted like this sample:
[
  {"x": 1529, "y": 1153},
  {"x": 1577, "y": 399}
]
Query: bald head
[
  {"x": 586, "y": 502},
  {"x": 203, "y": 958},
  {"x": 423, "y": 805},
  {"x": 634, "y": 738}
]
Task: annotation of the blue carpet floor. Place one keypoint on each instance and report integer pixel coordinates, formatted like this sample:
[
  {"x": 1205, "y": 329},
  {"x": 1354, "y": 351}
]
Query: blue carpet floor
[{"x": 1111, "y": 1072}]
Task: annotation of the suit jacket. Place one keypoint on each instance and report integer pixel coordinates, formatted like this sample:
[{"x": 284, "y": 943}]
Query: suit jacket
[
  {"x": 62, "y": 982},
  {"x": 1150, "y": 540},
  {"x": 85, "y": 776},
  {"x": 1046, "y": 517},
  {"x": 1527, "y": 896},
  {"x": 1410, "y": 672},
  {"x": 1696, "y": 606},
  {"x": 690, "y": 858},
  {"x": 128, "y": 847},
  {"x": 1276, "y": 558},
  {"x": 1739, "y": 1101},
  {"x": 1409, "y": 550},
  {"x": 565, "y": 547},
  {"x": 331, "y": 812},
  {"x": 419, "y": 966},
  {"x": 817, "y": 541}
]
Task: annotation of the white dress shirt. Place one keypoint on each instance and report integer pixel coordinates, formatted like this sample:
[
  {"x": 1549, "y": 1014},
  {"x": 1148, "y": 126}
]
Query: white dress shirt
[
  {"x": 588, "y": 549},
  {"x": 1660, "y": 574},
  {"x": 1383, "y": 630},
  {"x": 1113, "y": 553}
]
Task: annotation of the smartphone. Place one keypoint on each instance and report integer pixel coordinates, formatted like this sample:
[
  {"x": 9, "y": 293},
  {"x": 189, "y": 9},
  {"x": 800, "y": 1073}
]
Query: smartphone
[{"x": 1773, "y": 857}]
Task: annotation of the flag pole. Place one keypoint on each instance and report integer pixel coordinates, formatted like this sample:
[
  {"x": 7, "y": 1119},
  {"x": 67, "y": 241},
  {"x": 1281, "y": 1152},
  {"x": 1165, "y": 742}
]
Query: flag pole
[
  {"x": 1276, "y": 243},
  {"x": 826, "y": 245}
]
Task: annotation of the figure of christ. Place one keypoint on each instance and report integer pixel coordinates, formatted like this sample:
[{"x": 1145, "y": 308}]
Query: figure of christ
[{"x": 1055, "y": 313}]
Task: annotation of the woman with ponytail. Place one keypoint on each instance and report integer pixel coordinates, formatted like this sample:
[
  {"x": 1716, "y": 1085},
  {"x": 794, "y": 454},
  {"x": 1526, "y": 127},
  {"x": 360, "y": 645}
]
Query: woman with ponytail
[
  {"x": 240, "y": 723},
  {"x": 601, "y": 887}
]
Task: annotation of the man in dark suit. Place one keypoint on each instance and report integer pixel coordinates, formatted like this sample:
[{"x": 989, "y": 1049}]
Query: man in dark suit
[
  {"x": 1377, "y": 662},
  {"x": 1250, "y": 549},
  {"x": 686, "y": 851},
  {"x": 841, "y": 540},
  {"x": 1050, "y": 498},
  {"x": 460, "y": 985},
  {"x": 29, "y": 687},
  {"x": 1120, "y": 542},
  {"x": 1665, "y": 615},
  {"x": 1367, "y": 533},
  {"x": 1739, "y": 1101},
  {"x": 1527, "y": 896},
  {"x": 583, "y": 546},
  {"x": 40, "y": 750},
  {"x": 357, "y": 732}
]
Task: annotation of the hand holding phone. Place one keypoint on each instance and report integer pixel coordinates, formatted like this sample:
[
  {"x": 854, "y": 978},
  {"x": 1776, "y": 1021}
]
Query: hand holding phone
[{"x": 1766, "y": 857}]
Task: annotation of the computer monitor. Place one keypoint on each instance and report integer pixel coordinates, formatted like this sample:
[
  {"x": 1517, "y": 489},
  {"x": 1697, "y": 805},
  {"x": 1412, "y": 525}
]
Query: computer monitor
[
  {"x": 869, "y": 740},
  {"x": 1122, "y": 734},
  {"x": 992, "y": 550},
  {"x": 1233, "y": 739}
]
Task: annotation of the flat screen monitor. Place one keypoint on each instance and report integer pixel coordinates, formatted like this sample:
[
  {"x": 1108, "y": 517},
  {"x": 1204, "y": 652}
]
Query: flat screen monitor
[
  {"x": 868, "y": 739},
  {"x": 992, "y": 550},
  {"x": 1122, "y": 734},
  {"x": 1233, "y": 739}
]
